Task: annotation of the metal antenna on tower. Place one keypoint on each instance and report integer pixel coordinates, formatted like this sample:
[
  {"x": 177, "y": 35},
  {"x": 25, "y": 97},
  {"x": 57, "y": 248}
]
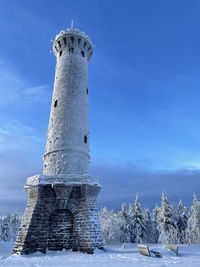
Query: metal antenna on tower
[{"x": 72, "y": 24}]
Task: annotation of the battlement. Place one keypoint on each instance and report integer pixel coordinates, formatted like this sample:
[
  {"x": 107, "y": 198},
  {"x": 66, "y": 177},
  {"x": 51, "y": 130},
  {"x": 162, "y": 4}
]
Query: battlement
[{"x": 72, "y": 39}]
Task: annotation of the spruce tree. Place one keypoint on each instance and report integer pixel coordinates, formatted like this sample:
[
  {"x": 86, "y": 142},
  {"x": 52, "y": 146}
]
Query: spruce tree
[
  {"x": 193, "y": 227},
  {"x": 138, "y": 222},
  {"x": 149, "y": 234},
  {"x": 156, "y": 211},
  {"x": 125, "y": 219},
  {"x": 131, "y": 226},
  {"x": 182, "y": 214},
  {"x": 167, "y": 223}
]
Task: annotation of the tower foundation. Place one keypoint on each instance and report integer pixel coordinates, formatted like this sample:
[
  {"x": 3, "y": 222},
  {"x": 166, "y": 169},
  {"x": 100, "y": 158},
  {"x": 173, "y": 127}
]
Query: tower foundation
[{"x": 60, "y": 215}]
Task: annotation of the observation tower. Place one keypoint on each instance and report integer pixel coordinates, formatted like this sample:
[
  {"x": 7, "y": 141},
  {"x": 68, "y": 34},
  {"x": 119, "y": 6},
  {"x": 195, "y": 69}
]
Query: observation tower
[{"x": 62, "y": 209}]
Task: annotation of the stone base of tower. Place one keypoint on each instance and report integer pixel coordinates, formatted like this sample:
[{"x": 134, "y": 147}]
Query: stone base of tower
[{"x": 60, "y": 216}]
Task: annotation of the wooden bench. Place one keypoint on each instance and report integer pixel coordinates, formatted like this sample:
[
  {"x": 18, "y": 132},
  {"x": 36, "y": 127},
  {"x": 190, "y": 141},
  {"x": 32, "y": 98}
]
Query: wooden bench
[
  {"x": 172, "y": 248},
  {"x": 144, "y": 250}
]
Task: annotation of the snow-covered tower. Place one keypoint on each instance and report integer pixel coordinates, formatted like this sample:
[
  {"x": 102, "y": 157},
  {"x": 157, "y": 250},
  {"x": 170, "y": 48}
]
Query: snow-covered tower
[
  {"x": 62, "y": 209},
  {"x": 67, "y": 149}
]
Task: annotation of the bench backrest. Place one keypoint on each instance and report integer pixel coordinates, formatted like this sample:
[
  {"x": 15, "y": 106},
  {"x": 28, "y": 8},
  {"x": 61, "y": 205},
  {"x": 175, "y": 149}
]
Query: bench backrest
[
  {"x": 172, "y": 248},
  {"x": 144, "y": 250}
]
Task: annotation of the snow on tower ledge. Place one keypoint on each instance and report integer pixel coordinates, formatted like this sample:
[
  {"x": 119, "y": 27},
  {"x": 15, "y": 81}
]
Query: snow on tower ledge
[{"x": 66, "y": 179}]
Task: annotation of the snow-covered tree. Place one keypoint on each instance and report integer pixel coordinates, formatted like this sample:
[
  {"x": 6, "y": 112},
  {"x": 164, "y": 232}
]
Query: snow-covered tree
[
  {"x": 125, "y": 226},
  {"x": 167, "y": 223},
  {"x": 111, "y": 227},
  {"x": 149, "y": 234},
  {"x": 131, "y": 225},
  {"x": 138, "y": 222},
  {"x": 156, "y": 211},
  {"x": 182, "y": 220},
  {"x": 9, "y": 226},
  {"x": 193, "y": 227}
]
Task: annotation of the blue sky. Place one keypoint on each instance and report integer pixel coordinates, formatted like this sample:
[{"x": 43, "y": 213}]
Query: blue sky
[{"x": 144, "y": 95}]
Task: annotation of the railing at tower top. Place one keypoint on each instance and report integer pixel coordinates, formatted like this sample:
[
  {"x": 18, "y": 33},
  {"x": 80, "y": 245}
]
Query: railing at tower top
[
  {"x": 75, "y": 32},
  {"x": 74, "y": 179}
]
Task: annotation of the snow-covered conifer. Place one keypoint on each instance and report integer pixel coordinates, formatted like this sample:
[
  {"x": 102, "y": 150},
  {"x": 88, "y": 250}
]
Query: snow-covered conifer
[
  {"x": 156, "y": 214},
  {"x": 125, "y": 220},
  {"x": 9, "y": 226},
  {"x": 149, "y": 234},
  {"x": 138, "y": 222},
  {"x": 193, "y": 227},
  {"x": 111, "y": 225},
  {"x": 131, "y": 226},
  {"x": 182, "y": 220},
  {"x": 167, "y": 223},
  {"x": 155, "y": 222}
]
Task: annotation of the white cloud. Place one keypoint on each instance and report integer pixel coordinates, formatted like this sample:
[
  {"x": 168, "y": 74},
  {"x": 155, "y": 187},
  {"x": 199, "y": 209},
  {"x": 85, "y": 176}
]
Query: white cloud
[
  {"x": 14, "y": 89},
  {"x": 37, "y": 93},
  {"x": 16, "y": 135}
]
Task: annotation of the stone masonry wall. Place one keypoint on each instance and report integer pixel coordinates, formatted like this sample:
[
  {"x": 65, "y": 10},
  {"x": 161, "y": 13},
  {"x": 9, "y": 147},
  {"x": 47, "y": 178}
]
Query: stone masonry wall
[{"x": 60, "y": 217}]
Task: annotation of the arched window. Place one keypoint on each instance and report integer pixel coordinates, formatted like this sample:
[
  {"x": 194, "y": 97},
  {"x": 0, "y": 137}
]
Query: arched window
[
  {"x": 72, "y": 39},
  {"x": 59, "y": 43},
  {"x": 82, "y": 53}
]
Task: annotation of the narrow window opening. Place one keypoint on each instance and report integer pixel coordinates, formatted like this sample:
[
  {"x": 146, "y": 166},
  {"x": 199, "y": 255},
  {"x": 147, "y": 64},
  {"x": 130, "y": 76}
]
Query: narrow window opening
[
  {"x": 89, "y": 48},
  {"x": 60, "y": 53},
  {"x": 59, "y": 43},
  {"x": 64, "y": 39},
  {"x": 82, "y": 53},
  {"x": 85, "y": 44},
  {"x": 55, "y": 103},
  {"x": 56, "y": 48},
  {"x": 85, "y": 139},
  {"x": 87, "y": 91},
  {"x": 79, "y": 41},
  {"x": 72, "y": 39}
]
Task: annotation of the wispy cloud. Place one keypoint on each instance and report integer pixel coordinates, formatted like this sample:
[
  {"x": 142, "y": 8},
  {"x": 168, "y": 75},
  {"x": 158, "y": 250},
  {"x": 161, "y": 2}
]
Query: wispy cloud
[
  {"x": 37, "y": 93},
  {"x": 16, "y": 135},
  {"x": 17, "y": 94},
  {"x": 15, "y": 90}
]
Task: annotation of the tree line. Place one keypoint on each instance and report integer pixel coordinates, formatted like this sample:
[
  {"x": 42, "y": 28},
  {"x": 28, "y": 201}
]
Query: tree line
[
  {"x": 166, "y": 224},
  {"x": 133, "y": 224}
]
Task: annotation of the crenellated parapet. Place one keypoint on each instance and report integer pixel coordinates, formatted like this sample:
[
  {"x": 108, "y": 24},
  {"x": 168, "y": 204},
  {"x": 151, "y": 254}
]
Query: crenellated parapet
[{"x": 73, "y": 40}]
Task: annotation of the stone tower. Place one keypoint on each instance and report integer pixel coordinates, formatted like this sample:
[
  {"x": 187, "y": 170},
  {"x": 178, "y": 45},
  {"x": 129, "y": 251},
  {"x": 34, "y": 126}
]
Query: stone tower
[{"x": 62, "y": 209}]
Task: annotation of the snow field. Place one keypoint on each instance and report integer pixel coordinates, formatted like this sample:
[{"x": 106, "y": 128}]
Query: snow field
[{"x": 114, "y": 256}]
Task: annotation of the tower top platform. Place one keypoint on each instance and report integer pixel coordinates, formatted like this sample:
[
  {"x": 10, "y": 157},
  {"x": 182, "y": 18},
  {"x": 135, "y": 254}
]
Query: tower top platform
[
  {"x": 73, "y": 38},
  {"x": 71, "y": 31}
]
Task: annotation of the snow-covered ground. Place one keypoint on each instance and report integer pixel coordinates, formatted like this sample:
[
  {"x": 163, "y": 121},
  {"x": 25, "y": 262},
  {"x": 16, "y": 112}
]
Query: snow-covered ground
[{"x": 113, "y": 257}]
